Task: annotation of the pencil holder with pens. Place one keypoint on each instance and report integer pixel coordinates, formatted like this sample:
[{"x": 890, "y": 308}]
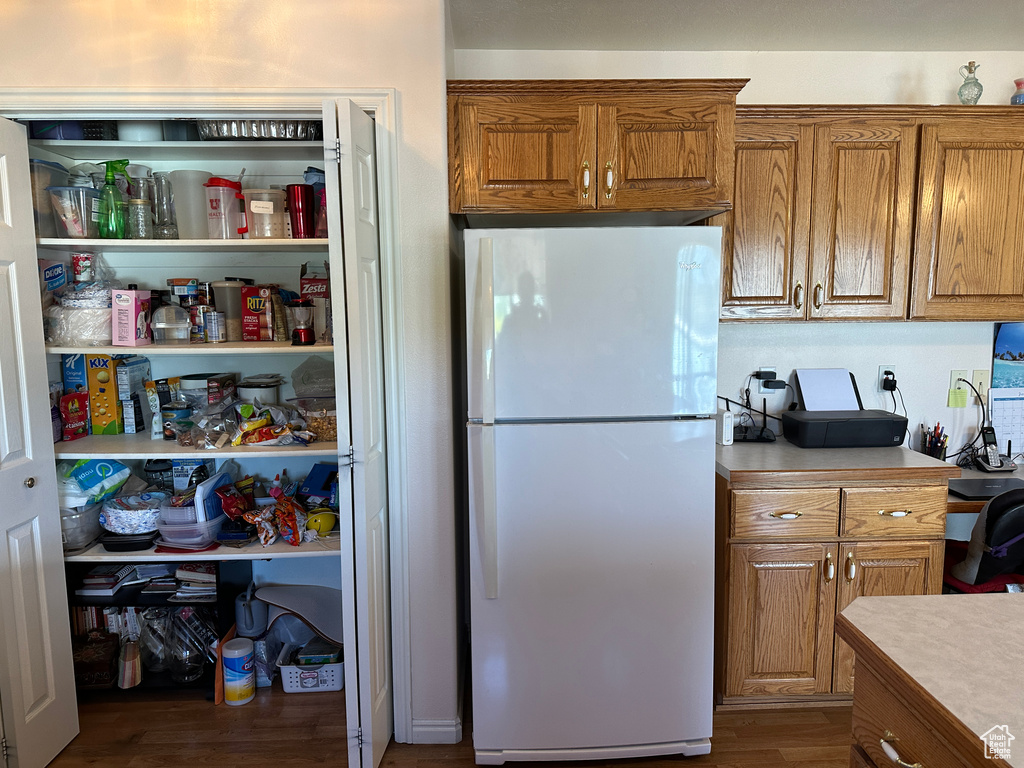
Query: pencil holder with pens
[{"x": 934, "y": 442}]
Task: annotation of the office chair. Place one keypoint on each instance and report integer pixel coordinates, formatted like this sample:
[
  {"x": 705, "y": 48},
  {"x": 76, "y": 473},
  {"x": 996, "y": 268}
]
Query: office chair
[{"x": 995, "y": 553}]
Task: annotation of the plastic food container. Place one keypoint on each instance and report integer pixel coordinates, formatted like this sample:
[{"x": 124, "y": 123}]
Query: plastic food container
[
  {"x": 132, "y": 514},
  {"x": 80, "y": 525},
  {"x": 171, "y": 325},
  {"x": 321, "y": 416},
  {"x": 140, "y": 130},
  {"x": 172, "y": 515},
  {"x": 309, "y": 677},
  {"x": 72, "y": 211},
  {"x": 197, "y": 534},
  {"x": 45, "y": 174},
  {"x": 190, "y": 203},
  {"x": 264, "y": 212}
]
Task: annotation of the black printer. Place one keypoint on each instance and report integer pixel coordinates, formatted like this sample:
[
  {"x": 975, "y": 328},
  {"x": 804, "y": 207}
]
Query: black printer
[{"x": 860, "y": 428}]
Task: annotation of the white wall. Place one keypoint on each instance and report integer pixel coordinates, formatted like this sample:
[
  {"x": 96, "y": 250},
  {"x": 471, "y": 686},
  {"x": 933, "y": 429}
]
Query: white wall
[
  {"x": 924, "y": 352},
  {"x": 290, "y": 43}
]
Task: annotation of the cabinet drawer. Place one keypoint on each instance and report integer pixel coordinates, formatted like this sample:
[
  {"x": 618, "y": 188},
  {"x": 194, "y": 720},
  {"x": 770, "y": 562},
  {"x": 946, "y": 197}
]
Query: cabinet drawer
[
  {"x": 878, "y": 712},
  {"x": 784, "y": 514},
  {"x": 917, "y": 512}
]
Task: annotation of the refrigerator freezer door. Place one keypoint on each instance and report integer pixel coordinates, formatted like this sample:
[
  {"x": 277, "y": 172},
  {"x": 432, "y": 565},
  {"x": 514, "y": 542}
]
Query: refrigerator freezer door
[
  {"x": 600, "y": 639},
  {"x": 593, "y": 322}
]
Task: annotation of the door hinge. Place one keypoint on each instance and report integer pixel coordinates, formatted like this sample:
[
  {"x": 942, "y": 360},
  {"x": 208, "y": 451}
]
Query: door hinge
[
  {"x": 334, "y": 150},
  {"x": 359, "y": 736},
  {"x": 3, "y": 749},
  {"x": 348, "y": 459}
]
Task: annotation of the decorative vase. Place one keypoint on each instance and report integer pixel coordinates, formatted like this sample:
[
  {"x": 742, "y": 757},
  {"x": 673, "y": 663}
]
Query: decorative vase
[
  {"x": 970, "y": 91},
  {"x": 1018, "y": 95}
]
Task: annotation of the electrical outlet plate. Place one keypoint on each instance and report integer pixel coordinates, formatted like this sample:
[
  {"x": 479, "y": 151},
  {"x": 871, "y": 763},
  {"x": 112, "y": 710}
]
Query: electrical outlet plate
[
  {"x": 761, "y": 388},
  {"x": 954, "y": 375},
  {"x": 881, "y": 374},
  {"x": 981, "y": 378}
]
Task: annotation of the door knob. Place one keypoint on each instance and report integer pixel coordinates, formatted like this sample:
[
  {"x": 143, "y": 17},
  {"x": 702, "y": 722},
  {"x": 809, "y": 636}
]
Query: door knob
[{"x": 30, "y": 482}]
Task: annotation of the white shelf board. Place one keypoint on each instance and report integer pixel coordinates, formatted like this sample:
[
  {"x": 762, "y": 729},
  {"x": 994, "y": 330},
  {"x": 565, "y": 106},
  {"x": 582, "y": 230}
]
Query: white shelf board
[
  {"x": 305, "y": 151},
  {"x": 264, "y": 244},
  {"x": 142, "y": 446},
  {"x": 225, "y": 348},
  {"x": 323, "y": 547}
]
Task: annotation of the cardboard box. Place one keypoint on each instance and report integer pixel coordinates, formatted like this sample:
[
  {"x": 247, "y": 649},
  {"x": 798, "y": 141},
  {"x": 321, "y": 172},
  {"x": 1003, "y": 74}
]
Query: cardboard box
[
  {"x": 132, "y": 375},
  {"x": 220, "y": 386},
  {"x": 105, "y": 410},
  {"x": 183, "y": 470},
  {"x": 75, "y": 379},
  {"x": 129, "y": 318},
  {"x": 257, "y": 313},
  {"x": 315, "y": 284}
]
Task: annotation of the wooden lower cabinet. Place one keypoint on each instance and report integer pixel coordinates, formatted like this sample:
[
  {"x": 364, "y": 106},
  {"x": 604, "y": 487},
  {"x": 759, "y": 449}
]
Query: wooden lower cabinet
[{"x": 794, "y": 558}]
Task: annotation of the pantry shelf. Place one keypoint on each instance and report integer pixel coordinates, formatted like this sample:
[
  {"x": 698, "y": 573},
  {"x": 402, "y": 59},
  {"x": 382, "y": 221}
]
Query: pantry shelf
[
  {"x": 300, "y": 151},
  {"x": 264, "y": 244},
  {"x": 322, "y": 547},
  {"x": 224, "y": 348},
  {"x": 142, "y": 446}
]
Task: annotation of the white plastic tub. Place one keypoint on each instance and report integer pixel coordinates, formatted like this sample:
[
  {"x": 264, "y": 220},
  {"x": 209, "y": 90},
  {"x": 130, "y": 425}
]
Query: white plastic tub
[{"x": 309, "y": 677}]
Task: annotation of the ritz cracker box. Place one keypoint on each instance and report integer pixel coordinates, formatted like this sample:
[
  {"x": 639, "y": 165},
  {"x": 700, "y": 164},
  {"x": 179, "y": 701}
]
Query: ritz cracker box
[
  {"x": 104, "y": 405},
  {"x": 257, "y": 313}
]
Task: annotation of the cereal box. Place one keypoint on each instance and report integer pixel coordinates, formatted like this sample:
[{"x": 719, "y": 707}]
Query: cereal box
[
  {"x": 104, "y": 404},
  {"x": 129, "y": 316},
  {"x": 132, "y": 375},
  {"x": 75, "y": 379},
  {"x": 257, "y": 313}
]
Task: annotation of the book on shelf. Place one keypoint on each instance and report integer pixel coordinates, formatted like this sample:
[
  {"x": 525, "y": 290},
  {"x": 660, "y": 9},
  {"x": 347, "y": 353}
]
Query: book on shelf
[
  {"x": 107, "y": 575},
  {"x": 203, "y": 572}
]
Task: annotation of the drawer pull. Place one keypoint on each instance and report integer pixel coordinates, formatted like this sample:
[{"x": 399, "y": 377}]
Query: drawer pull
[
  {"x": 892, "y": 754},
  {"x": 586, "y": 179},
  {"x": 785, "y": 515},
  {"x": 896, "y": 512},
  {"x": 851, "y": 567},
  {"x": 830, "y": 568}
]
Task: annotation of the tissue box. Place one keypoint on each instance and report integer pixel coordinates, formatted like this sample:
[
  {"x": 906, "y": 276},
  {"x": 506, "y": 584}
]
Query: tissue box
[
  {"x": 104, "y": 405},
  {"x": 129, "y": 318}
]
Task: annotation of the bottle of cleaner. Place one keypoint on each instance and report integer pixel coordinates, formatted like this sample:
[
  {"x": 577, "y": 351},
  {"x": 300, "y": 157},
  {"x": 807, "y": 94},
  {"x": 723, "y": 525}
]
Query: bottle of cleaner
[{"x": 112, "y": 213}]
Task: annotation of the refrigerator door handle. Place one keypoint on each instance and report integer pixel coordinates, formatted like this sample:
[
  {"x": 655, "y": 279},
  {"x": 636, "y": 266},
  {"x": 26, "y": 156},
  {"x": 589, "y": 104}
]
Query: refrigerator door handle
[
  {"x": 488, "y": 515},
  {"x": 485, "y": 328}
]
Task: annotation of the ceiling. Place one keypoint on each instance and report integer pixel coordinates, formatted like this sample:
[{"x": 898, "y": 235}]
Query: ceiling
[{"x": 738, "y": 25}]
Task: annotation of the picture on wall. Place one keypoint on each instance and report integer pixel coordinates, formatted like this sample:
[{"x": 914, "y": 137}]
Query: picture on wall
[{"x": 1008, "y": 356}]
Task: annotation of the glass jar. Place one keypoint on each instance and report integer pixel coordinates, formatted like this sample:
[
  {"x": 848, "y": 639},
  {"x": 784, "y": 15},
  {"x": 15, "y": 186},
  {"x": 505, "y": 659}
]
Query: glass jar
[
  {"x": 140, "y": 220},
  {"x": 165, "y": 226}
]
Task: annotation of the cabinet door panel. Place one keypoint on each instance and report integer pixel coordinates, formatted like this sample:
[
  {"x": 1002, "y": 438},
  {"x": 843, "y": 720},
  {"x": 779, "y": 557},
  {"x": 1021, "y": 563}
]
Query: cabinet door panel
[
  {"x": 861, "y": 222},
  {"x": 765, "y": 235},
  {"x": 970, "y": 234},
  {"x": 525, "y": 156},
  {"x": 781, "y": 610},
  {"x": 882, "y": 568},
  {"x": 664, "y": 156}
]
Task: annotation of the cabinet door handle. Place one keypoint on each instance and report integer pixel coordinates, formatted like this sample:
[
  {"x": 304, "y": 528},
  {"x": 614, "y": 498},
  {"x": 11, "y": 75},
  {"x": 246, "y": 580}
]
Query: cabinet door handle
[
  {"x": 851, "y": 567},
  {"x": 785, "y": 515},
  {"x": 830, "y": 568},
  {"x": 586, "y": 179},
  {"x": 892, "y": 754},
  {"x": 608, "y": 179},
  {"x": 798, "y": 296},
  {"x": 896, "y": 512},
  {"x": 819, "y": 295}
]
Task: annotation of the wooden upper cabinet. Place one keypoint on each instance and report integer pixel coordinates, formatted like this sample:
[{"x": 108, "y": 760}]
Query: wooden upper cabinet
[
  {"x": 969, "y": 253},
  {"x": 861, "y": 224},
  {"x": 563, "y": 146},
  {"x": 764, "y": 238}
]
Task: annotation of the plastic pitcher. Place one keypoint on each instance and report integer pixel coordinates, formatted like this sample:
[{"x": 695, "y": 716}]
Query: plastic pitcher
[
  {"x": 225, "y": 217},
  {"x": 190, "y": 203}
]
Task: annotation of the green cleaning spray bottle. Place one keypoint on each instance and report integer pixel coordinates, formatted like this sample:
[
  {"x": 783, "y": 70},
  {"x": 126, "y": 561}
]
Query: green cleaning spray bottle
[{"x": 112, "y": 213}]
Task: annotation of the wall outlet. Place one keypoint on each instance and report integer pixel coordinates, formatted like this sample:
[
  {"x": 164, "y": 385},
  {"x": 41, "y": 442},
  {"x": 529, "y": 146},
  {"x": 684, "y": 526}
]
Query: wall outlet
[
  {"x": 761, "y": 388},
  {"x": 981, "y": 379},
  {"x": 881, "y": 375},
  {"x": 954, "y": 375},
  {"x": 958, "y": 391}
]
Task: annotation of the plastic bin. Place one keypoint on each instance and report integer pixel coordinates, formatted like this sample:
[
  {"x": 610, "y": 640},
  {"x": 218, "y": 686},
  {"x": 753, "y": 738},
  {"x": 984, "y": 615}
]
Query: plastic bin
[
  {"x": 80, "y": 525},
  {"x": 311, "y": 677},
  {"x": 72, "y": 211},
  {"x": 192, "y": 534}
]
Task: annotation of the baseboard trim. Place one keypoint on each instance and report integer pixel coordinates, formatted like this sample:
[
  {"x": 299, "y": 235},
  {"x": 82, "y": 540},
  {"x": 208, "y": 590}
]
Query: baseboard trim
[{"x": 437, "y": 731}]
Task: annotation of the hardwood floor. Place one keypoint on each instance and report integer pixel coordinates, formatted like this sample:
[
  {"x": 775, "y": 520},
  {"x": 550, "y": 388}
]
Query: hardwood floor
[{"x": 151, "y": 730}]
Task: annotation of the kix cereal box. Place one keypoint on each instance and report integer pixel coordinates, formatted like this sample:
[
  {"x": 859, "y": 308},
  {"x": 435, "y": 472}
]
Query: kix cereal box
[
  {"x": 257, "y": 313},
  {"x": 104, "y": 405}
]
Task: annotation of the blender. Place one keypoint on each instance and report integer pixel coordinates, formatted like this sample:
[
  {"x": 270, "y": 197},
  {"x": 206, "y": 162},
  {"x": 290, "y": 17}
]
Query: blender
[{"x": 302, "y": 313}]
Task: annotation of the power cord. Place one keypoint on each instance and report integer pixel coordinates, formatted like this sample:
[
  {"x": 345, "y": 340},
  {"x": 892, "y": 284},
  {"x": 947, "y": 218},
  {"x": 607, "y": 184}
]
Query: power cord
[{"x": 969, "y": 452}]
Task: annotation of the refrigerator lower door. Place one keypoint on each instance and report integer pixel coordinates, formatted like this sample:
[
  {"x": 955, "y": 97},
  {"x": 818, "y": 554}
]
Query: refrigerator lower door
[{"x": 597, "y": 540}]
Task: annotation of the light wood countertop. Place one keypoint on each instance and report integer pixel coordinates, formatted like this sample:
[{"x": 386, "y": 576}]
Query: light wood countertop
[
  {"x": 781, "y": 461},
  {"x": 964, "y": 651}
]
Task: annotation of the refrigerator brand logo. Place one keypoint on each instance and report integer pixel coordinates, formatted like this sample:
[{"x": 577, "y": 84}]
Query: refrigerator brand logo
[{"x": 689, "y": 265}]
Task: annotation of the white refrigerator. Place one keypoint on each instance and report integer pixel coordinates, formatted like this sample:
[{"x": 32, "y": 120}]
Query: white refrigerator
[{"x": 591, "y": 366}]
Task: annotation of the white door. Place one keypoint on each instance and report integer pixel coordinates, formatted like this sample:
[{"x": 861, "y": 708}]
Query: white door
[
  {"x": 596, "y": 639},
  {"x": 596, "y": 322},
  {"x": 367, "y": 612},
  {"x": 37, "y": 681}
]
